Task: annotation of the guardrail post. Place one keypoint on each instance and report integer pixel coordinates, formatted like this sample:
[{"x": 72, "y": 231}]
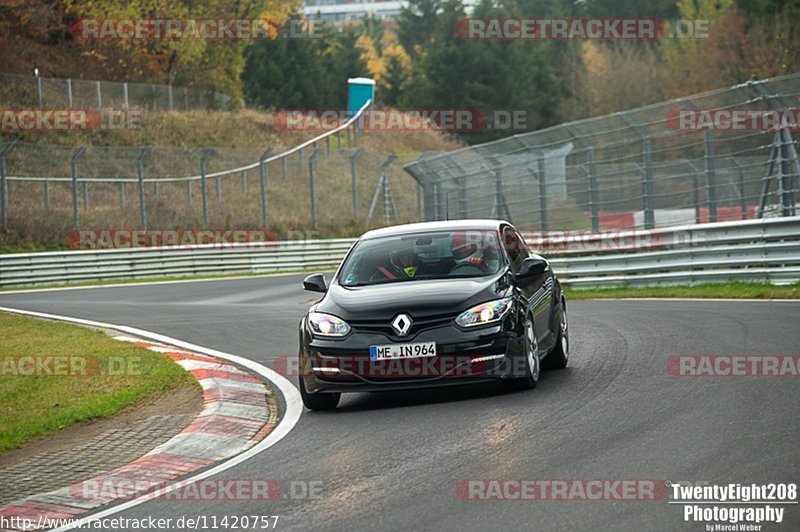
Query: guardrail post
[
  {"x": 69, "y": 92},
  {"x": 353, "y": 158},
  {"x": 264, "y": 175},
  {"x": 593, "y": 204},
  {"x": 218, "y": 188},
  {"x": 169, "y": 96},
  {"x": 300, "y": 156},
  {"x": 711, "y": 177},
  {"x": 542, "y": 196},
  {"x": 311, "y": 160},
  {"x": 419, "y": 201},
  {"x": 74, "y": 166},
  {"x": 125, "y": 93},
  {"x": 4, "y": 184},
  {"x": 122, "y": 194},
  {"x": 244, "y": 182},
  {"x": 99, "y": 95},
  {"x": 206, "y": 154},
  {"x": 283, "y": 167},
  {"x": 647, "y": 186},
  {"x": 47, "y": 194},
  {"x": 140, "y": 174},
  {"x": 39, "y": 90}
]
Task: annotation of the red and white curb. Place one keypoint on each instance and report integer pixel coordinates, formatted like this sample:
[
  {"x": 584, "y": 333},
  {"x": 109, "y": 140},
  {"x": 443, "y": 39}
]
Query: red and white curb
[{"x": 239, "y": 419}]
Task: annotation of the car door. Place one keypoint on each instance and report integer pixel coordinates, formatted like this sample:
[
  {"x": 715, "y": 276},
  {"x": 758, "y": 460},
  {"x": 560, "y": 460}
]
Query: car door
[{"x": 537, "y": 289}]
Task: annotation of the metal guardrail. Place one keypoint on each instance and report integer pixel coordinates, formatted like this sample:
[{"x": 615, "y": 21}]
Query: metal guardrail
[{"x": 766, "y": 250}]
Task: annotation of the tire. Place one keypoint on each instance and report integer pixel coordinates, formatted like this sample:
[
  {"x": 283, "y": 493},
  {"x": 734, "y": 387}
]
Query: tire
[
  {"x": 559, "y": 356},
  {"x": 530, "y": 358},
  {"x": 318, "y": 401}
]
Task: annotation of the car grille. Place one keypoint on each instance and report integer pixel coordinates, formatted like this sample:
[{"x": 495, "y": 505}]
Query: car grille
[{"x": 418, "y": 325}]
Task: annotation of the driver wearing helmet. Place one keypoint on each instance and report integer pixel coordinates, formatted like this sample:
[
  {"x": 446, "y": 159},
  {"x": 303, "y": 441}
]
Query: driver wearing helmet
[
  {"x": 467, "y": 252},
  {"x": 401, "y": 265}
]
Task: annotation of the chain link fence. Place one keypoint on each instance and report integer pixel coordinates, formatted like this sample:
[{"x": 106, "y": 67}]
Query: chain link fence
[
  {"x": 330, "y": 186},
  {"x": 55, "y": 93},
  {"x": 654, "y": 166}
]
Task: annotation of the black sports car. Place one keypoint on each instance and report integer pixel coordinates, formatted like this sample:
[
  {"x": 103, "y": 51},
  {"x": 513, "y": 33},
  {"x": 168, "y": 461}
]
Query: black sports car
[{"x": 432, "y": 304}]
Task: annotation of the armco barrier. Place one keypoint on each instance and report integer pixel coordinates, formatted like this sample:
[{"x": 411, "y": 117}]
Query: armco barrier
[{"x": 766, "y": 250}]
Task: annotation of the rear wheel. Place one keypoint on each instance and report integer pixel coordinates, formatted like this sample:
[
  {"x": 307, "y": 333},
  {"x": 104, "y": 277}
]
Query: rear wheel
[
  {"x": 318, "y": 401},
  {"x": 559, "y": 356}
]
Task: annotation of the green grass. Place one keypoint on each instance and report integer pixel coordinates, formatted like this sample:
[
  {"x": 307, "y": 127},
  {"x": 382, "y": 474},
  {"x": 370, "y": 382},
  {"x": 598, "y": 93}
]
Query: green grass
[
  {"x": 107, "y": 377},
  {"x": 728, "y": 290}
]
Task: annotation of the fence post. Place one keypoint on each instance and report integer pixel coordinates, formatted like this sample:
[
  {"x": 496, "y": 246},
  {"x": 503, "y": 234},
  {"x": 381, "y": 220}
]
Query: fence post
[
  {"x": 69, "y": 92},
  {"x": 647, "y": 186},
  {"x": 542, "y": 195},
  {"x": 4, "y": 184},
  {"x": 169, "y": 95},
  {"x": 419, "y": 201},
  {"x": 85, "y": 195},
  {"x": 790, "y": 176},
  {"x": 218, "y": 187},
  {"x": 122, "y": 194},
  {"x": 206, "y": 154},
  {"x": 742, "y": 198},
  {"x": 328, "y": 146},
  {"x": 74, "y": 167},
  {"x": 39, "y": 90},
  {"x": 388, "y": 201},
  {"x": 47, "y": 195},
  {"x": 593, "y": 204},
  {"x": 264, "y": 174},
  {"x": 283, "y": 167},
  {"x": 125, "y": 93},
  {"x": 353, "y": 157},
  {"x": 99, "y": 95},
  {"x": 711, "y": 177},
  {"x": 244, "y": 182},
  {"x": 311, "y": 160},
  {"x": 140, "y": 174},
  {"x": 339, "y": 140},
  {"x": 696, "y": 186}
]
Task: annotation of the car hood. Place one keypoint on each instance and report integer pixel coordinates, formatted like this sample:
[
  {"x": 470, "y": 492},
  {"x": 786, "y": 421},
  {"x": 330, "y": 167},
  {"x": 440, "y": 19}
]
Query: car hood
[{"x": 419, "y": 298}]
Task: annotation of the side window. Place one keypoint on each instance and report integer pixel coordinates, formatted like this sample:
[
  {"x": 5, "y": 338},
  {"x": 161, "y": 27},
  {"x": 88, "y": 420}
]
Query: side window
[{"x": 515, "y": 247}]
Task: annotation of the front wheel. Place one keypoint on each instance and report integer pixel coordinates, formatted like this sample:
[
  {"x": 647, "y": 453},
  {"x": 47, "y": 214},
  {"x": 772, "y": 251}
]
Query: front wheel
[
  {"x": 318, "y": 401},
  {"x": 559, "y": 356},
  {"x": 530, "y": 359}
]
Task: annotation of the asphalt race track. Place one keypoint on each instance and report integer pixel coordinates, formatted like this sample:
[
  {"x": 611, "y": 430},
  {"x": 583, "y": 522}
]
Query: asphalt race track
[{"x": 392, "y": 461}]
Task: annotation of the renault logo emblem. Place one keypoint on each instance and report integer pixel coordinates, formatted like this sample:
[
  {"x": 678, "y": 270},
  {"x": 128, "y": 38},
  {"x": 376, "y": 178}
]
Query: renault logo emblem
[{"x": 401, "y": 324}]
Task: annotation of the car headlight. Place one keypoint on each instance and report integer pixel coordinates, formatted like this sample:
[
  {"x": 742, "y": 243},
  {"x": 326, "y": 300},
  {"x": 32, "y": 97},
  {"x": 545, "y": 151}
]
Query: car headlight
[
  {"x": 484, "y": 313},
  {"x": 327, "y": 325}
]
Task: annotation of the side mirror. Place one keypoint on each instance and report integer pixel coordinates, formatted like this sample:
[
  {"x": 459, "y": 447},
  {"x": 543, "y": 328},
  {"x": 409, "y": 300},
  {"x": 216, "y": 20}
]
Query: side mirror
[
  {"x": 315, "y": 283},
  {"x": 533, "y": 266}
]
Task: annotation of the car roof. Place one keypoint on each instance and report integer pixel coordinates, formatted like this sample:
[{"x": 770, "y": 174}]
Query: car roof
[{"x": 450, "y": 225}]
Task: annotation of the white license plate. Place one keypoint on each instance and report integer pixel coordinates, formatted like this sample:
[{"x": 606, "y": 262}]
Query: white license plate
[{"x": 393, "y": 351}]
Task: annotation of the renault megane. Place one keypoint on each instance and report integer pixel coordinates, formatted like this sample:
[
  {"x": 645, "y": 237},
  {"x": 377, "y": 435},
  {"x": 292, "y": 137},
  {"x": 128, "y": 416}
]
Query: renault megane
[{"x": 432, "y": 304}]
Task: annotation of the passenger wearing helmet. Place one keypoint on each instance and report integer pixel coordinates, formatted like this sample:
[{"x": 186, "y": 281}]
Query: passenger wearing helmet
[
  {"x": 401, "y": 265},
  {"x": 471, "y": 253}
]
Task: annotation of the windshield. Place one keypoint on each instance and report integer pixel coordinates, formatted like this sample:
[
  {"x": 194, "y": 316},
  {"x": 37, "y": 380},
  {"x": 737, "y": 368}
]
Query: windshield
[{"x": 417, "y": 256}]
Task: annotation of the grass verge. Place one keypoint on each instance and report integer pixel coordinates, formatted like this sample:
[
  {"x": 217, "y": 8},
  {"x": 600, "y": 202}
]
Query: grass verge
[
  {"x": 722, "y": 291},
  {"x": 53, "y": 375}
]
